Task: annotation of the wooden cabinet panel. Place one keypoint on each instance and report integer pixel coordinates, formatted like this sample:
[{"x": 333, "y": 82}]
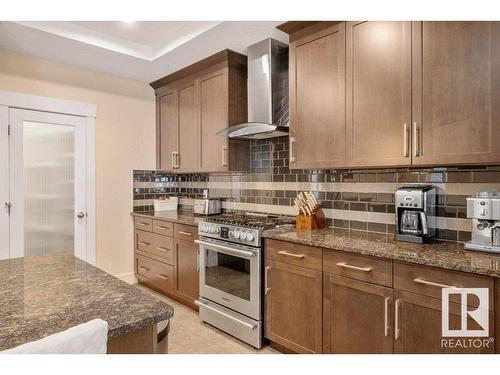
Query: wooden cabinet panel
[
  {"x": 359, "y": 267},
  {"x": 419, "y": 326},
  {"x": 143, "y": 223},
  {"x": 186, "y": 270},
  {"x": 165, "y": 228},
  {"x": 293, "y": 307},
  {"x": 378, "y": 93},
  {"x": 157, "y": 274},
  {"x": 168, "y": 128},
  {"x": 295, "y": 254},
  {"x": 428, "y": 281},
  {"x": 213, "y": 117},
  {"x": 456, "y": 101},
  {"x": 185, "y": 232},
  {"x": 317, "y": 99},
  {"x": 357, "y": 317},
  {"x": 189, "y": 131}
]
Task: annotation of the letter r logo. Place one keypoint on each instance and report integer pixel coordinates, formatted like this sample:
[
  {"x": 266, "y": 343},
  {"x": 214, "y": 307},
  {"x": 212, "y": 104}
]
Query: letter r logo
[{"x": 480, "y": 314}]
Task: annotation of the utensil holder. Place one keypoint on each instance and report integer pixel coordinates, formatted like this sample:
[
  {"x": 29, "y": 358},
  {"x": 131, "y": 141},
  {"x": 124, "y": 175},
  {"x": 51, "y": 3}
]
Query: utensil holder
[{"x": 309, "y": 222}]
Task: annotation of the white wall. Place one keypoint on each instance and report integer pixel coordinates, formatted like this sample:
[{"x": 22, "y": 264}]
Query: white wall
[{"x": 125, "y": 140}]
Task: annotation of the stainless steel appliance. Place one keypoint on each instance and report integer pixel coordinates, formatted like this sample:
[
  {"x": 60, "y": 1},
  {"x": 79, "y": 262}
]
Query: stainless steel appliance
[
  {"x": 207, "y": 206},
  {"x": 415, "y": 211},
  {"x": 484, "y": 210},
  {"x": 268, "y": 114},
  {"x": 231, "y": 262}
]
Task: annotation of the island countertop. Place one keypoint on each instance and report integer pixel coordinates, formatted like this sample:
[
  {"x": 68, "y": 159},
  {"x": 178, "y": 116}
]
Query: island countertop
[
  {"x": 46, "y": 294},
  {"x": 447, "y": 255}
]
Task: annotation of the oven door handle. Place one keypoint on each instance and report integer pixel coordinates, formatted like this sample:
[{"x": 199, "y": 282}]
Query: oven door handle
[
  {"x": 229, "y": 250},
  {"x": 251, "y": 326}
]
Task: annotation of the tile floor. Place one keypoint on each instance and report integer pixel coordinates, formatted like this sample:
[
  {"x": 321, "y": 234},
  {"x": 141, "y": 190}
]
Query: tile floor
[{"x": 188, "y": 335}]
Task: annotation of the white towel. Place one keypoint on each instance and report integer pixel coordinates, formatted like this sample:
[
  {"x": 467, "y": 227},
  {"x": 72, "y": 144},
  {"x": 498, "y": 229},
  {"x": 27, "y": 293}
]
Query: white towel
[{"x": 86, "y": 338}]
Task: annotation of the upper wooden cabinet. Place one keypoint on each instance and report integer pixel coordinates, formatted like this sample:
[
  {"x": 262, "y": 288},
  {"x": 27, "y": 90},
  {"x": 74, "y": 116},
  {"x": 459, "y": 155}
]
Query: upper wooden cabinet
[
  {"x": 416, "y": 93},
  {"x": 194, "y": 104},
  {"x": 378, "y": 93},
  {"x": 456, "y": 92},
  {"x": 317, "y": 97}
]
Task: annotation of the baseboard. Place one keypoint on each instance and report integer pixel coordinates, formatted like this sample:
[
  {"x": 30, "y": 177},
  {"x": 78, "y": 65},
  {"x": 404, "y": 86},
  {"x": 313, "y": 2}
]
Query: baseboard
[{"x": 128, "y": 277}]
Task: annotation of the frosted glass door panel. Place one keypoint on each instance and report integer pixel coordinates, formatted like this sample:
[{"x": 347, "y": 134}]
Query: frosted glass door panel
[{"x": 49, "y": 190}]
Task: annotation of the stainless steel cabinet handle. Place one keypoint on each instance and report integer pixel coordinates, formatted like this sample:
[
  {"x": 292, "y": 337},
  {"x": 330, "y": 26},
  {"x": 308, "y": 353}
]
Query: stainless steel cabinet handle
[
  {"x": 160, "y": 227},
  {"x": 177, "y": 160},
  {"x": 266, "y": 287},
  {"x": 416, "y": 139},
  {"x": 198, "y": 260},
  {"x": 224, "y": 156},
  {"x": 251, "y": 326},
  {"x": 356, "y": 268},
  {"x": 144, "y": 268},
  {"x": 396, "y": 319},
  {"x": 162, "y": 248},
  {"x": 227, "y": 249},
  {"x": 406, "y": 140},
  {"x": 143, "y": 224},
  {"x": 292, "y": 149},
  {"x": 283, "y": 252},
  {"x": 185, "y": 233},
  {"x": 162, "y": 276},
  {"x": 431, "y": 283},
  {"x": 173, "y": 160},
  {"x": 143, "y": 243},
  {"x": 386, "y": 319}
]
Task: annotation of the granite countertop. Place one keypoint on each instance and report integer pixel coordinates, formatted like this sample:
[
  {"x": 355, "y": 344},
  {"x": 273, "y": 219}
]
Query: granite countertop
[
  {"x": 46, "y": 294},
  {"x": 182, "y": 216},
  {"x": 449, "y": 255}
]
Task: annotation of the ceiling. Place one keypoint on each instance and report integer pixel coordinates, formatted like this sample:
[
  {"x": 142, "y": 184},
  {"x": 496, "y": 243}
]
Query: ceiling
[{"x": 142, "y": 50}]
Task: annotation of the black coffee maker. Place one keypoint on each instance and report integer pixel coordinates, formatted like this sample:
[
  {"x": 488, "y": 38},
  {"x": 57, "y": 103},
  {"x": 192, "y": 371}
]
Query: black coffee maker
[{"x": 415, "y": 212}]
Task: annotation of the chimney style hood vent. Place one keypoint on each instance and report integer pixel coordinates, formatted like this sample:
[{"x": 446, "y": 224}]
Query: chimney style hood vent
[{"x": 268, "y": 115}]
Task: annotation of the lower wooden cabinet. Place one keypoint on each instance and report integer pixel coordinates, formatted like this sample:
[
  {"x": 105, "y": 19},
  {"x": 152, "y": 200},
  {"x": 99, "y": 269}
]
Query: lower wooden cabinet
[
  {"x": 293, "y": 306},
  {"x": 357, "y": 317},
  {"x": 186, "y": 270}
]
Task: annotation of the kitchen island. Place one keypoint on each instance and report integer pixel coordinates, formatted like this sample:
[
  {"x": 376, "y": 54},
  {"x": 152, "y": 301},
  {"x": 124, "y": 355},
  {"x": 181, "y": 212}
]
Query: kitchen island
[{"x": 43, "y": 295}]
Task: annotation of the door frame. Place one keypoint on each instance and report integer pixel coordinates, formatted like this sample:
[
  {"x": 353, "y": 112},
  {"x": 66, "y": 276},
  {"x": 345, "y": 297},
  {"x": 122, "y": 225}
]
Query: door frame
[{"x": 15, "y": 100}]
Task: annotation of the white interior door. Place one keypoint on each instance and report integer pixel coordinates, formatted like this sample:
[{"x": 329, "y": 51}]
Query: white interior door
[
  {"x": 47, "y": 183},
  {"x": 4, "y": 186}
]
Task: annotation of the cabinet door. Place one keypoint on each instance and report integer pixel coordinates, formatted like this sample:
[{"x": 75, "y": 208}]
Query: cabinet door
[
  {"x": 418, "y": 325},
  {"x": 456, "y": 100},
  {"x": 293, "y": 305},
  {"x": 186, "y": 270},
  {"x": 168, "y": 130},
  {"x": 317, "y": 99},
  {"x": 213, "y": 116},
  {"x": 378, "y": 93},
  {"x": 189, "y": 132},
  {"x": 357, "y": 317}
]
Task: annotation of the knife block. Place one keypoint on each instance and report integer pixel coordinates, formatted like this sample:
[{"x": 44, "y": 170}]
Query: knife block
[{"x": 309, "y": 222}]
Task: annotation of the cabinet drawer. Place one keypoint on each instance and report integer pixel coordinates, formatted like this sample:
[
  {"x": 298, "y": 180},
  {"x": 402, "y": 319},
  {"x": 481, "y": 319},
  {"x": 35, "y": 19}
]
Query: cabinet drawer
[
  {"x": 359, "y": 267},
  {"x": 296, "y": 254},
  {"x": 154, "y": 272},
  {"x": 185, "y": 232},
  {"x": 163, "y": 227},
  {"x": 429, "y": 281},
  {"x": 156, "y": 245},
  {"x": 143, "y": 223}
]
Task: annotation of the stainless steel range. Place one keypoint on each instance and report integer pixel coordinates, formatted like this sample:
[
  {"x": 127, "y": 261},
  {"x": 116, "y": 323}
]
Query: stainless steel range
[{"x": 231, "y": 262}]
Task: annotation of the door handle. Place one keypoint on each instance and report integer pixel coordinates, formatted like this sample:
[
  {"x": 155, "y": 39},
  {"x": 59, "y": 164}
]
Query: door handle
[
  {"x": 144, "y": 268},
  {"x": 143, "y": 243},
  {"x": 416, "y": 139},
  {"x": 224, "y": 156},
  {"x": 185, "y": 233},
  {"x": 80, "y": 215},
  {"x": 406, "y": 140},
  {"x": 162, "y": 248},
  {"x": 283, "y": 252},
  {"x": 292, "y": 149},
  {"x": 177, "y": 160},
  {"x": 173, "y": 159},
  {"x": 266, "y": 288},
  {"x": 356, "y": 268},
  {"x": 396, "y": 319},
  {"x": 386, "y": 316},
  {"x": 431, "y": 283},
  {"x": 162, "y": 276}
]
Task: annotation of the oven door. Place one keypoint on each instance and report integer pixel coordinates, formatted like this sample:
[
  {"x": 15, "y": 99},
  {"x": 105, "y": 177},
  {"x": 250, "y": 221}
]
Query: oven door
[{"x": 230, "y": 276}]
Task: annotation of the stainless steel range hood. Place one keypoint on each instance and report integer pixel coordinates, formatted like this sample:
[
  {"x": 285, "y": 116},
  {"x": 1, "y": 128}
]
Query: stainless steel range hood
[{"x": 267, "y": 93}]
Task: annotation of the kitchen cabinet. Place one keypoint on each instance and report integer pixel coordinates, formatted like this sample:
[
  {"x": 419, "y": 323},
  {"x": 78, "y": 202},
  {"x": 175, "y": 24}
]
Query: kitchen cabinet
[
  {"x": 378, "y": 93},
  {"x": 357, "y": 317},
  {"x": 456, "y": 92},
  {"x": 317, "y": 96},
  {"x": 293, "y": 305},
  {"x": 418, "y": 326},
  {"x": 193, "y": 105},
  {"x": 186, "y": 270}
]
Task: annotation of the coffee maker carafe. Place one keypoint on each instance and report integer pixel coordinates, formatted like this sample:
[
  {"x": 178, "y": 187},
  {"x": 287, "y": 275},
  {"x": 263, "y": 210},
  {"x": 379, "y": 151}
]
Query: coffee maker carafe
[
  {"x": 415, "y": 205},
  {"x": 484, "y": 210}
]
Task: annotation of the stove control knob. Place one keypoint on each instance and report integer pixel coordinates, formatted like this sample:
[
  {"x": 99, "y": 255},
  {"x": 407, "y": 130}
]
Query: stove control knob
[
  {"x": 483, "y": 212},
  {"x": 231, "y": 234},
  {"x": 217, "y": 230},
  {"x": 243, "y": 236},
  {"x": 237, "y": 234},
  {"x": 250, "y": 236},
  {"x": 212, "y": 229}
]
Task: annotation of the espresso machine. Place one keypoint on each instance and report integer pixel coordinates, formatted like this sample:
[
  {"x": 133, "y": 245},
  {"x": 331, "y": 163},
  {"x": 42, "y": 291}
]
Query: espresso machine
[
  {"x": 484, "y": 210},
  {"x": 415, "y": 208}
]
